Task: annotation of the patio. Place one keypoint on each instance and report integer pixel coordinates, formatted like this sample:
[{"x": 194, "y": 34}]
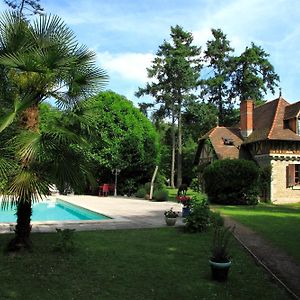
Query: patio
[{"x": 125, "y": 213}]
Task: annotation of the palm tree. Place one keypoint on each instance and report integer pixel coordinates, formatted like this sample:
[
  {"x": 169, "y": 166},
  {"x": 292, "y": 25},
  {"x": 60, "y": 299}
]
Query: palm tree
[{"x": 41, "y": 60}]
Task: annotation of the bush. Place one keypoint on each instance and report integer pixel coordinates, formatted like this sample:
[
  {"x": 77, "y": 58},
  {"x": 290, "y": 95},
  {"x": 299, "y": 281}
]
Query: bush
[
  {"x": 232, "y": 181},
  {"x": 216, "y": 219},
  {"x": 264, "y": 183},
  {"x": 141, "y": 193},
  {"x": 199, "y": 218},
  {"x": 195, "y": 185},
  {"x": 160, "y": 195}
]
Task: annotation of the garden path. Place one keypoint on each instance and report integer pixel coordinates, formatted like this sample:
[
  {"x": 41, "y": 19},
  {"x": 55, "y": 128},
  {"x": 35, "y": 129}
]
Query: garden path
[{"x": 279, "y": 264}]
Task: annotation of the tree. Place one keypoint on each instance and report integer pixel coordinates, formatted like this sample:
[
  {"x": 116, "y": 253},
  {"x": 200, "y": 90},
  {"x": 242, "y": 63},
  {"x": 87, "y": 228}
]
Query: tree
[
  {"x": 253, "y": 74},
  {"x": 31, "y": 5},
  {"x": 175, "y": 69},
  {"x": 121, "y": 137},
  {"x": 41, "y": 60},
  {"x": 216, "y": 88}
]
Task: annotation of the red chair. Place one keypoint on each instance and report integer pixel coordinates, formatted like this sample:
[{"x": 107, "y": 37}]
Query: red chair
[{"x": 105, "y": 189}]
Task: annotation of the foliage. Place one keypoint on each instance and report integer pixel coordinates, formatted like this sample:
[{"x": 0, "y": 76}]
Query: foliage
[
  {"x": 141, "y": 193},
  {"x": 65, "y": 241},
  {"x": 121, "y": 137},
  {"x": 264, "y": 182},
  {"x": 40, "y": 60},
  {"x": 199, "y": 218},
  {"x": 198, "y": 119},
  {"x": 228, "y": 78},
  {"x": 216, "y": 219},
  {"x": 216, "y": 87},
  {"x": 160, "y": 195},
  {"x": 195, "y": 185},
  {"x": 176, "y": 70},
  {"x": 31, "y": 5},
  {"x": 171, "y": 213},
  {"x": 253, "y": 74},
  {"x": 231, "y": 181},
  {"x": 220, "y": 244}
]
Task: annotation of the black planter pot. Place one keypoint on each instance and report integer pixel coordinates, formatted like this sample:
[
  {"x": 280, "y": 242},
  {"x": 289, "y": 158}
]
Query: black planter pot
[{"x": 219, "y": 271}]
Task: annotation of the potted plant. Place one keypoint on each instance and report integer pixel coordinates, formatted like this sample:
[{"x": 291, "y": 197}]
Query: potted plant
[
  {"x": 186, "y": 201},
  {"x": 220, "y": 260},
  {"x": 171, "y": 216}
]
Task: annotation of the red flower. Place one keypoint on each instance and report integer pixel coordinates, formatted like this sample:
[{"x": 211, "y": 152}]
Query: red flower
[{"x": 184, "y": 200}]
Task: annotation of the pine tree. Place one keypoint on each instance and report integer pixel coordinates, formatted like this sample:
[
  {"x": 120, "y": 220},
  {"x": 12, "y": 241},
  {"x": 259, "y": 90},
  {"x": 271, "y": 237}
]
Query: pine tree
[
  {"x": 216, "y": 88},
  {"x": 176, "y": 69}
]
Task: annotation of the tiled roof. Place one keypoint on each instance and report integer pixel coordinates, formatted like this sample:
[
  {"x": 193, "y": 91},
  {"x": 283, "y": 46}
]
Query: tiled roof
[
  {"x": 216, "y": 137},
  {"x": 292, "y": 111},
  {"x": 268, "y": 122}
]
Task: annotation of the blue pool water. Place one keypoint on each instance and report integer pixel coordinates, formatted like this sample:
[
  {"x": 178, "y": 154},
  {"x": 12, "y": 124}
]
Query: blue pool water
[{"x": 54, "y": 211}]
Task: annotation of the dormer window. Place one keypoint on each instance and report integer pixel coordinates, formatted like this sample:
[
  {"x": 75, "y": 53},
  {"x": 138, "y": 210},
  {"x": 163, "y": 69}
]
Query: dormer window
[{"x": 228, "y": 141}]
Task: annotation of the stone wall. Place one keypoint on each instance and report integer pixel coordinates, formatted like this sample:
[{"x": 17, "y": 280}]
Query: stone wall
[{"x": 279, "y": 191}]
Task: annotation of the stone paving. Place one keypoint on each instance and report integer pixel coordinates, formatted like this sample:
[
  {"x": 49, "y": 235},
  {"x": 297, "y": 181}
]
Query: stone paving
[{"x": 125, "y": 213}]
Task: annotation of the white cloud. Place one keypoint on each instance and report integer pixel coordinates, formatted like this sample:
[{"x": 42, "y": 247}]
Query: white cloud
[{"x": 130, "y": 66}]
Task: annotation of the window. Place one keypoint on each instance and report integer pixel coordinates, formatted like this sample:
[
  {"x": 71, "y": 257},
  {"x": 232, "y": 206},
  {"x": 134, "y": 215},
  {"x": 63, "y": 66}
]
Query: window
[
  {"x": 298, "y": 126},
  {"x": 228, "y": 141},
  {"x": 293, "y": 175}
]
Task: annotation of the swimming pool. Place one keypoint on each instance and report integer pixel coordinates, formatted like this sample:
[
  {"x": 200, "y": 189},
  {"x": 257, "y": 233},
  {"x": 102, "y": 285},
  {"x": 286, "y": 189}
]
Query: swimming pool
[{"x": 54, "y": 210}]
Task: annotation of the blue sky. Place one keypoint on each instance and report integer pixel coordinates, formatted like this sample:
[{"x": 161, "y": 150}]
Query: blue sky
[{"x": 126, "y": 33}]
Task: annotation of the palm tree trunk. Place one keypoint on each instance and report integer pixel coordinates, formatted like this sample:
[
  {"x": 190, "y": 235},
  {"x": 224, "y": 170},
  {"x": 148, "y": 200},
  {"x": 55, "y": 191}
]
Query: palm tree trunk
[
  {"x": 23, "y": 227},
  {"x": 30, "y": 122}
]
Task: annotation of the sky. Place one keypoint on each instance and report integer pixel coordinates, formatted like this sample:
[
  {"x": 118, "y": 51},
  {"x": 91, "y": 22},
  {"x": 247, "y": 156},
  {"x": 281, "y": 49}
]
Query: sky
[{"x": 126, "y": 34}]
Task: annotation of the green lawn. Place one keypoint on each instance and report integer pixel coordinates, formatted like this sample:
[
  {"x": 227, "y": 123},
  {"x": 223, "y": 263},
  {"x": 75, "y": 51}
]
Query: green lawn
[
  {"x": 130, "y": 264},
  {"x": 280, "y": 224}
]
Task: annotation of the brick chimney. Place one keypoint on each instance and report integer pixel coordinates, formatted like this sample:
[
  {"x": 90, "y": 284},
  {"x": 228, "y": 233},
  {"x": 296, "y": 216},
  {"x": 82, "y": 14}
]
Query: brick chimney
[{"x": 246, "y": 115}]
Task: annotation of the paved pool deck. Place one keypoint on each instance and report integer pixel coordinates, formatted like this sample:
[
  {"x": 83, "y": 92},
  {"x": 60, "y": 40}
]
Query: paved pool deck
[{"x": 125, "y": 213}]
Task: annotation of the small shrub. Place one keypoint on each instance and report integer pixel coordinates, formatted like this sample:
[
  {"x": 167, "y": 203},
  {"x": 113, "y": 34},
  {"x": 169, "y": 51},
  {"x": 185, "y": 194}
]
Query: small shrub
[
  {"x": 199, "y": 218},
  {"x": 264, "y": 183},
  {"x": 195, "y": 185},
  {"x": 147, "y": 187},
  {"x": 232, "y": 181},
  {"x": 65, "y": 241},
  {"x": 141, "y": 193},
  {"x": 216, "y": 219},
  {"x": 220, "y": 245},
  {"x": 160, "y": 195}
]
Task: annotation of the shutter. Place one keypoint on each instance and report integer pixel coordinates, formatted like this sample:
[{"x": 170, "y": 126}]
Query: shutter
[{"x": 290, "y": 175}]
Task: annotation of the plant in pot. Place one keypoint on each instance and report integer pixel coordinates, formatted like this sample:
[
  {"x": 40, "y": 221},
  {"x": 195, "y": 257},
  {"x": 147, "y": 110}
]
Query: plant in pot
[
  {"x": 220, "y": 260},
  {"x": 171, "y": 217},
  {"x": 186, "y": 201}
]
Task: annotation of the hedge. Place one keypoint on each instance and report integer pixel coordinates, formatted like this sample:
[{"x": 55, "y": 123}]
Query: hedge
[{"x": 232, "y": 181}]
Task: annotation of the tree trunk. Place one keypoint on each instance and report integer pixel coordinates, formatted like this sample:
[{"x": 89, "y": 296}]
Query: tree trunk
[
  {"x": 179, "y": 154},
  {"x": 23, "y": 227},
  {"x": 29, "y": 121},
  {"x": 173, "y": 149}
]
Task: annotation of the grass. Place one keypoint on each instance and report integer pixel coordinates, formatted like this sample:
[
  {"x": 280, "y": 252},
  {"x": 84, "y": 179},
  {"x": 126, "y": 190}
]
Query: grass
[
  {"x": 280, "y": 224},
  {"x": 130, "y": 264}
]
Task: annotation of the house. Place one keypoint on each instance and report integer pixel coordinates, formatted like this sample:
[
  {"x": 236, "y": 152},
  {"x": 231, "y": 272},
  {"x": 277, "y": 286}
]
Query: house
[{"x": 269, "y": 134}]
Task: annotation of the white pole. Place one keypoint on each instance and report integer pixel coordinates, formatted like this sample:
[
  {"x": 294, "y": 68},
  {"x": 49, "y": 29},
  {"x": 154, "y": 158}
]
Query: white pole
[{"x": 152, "y": 182}]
